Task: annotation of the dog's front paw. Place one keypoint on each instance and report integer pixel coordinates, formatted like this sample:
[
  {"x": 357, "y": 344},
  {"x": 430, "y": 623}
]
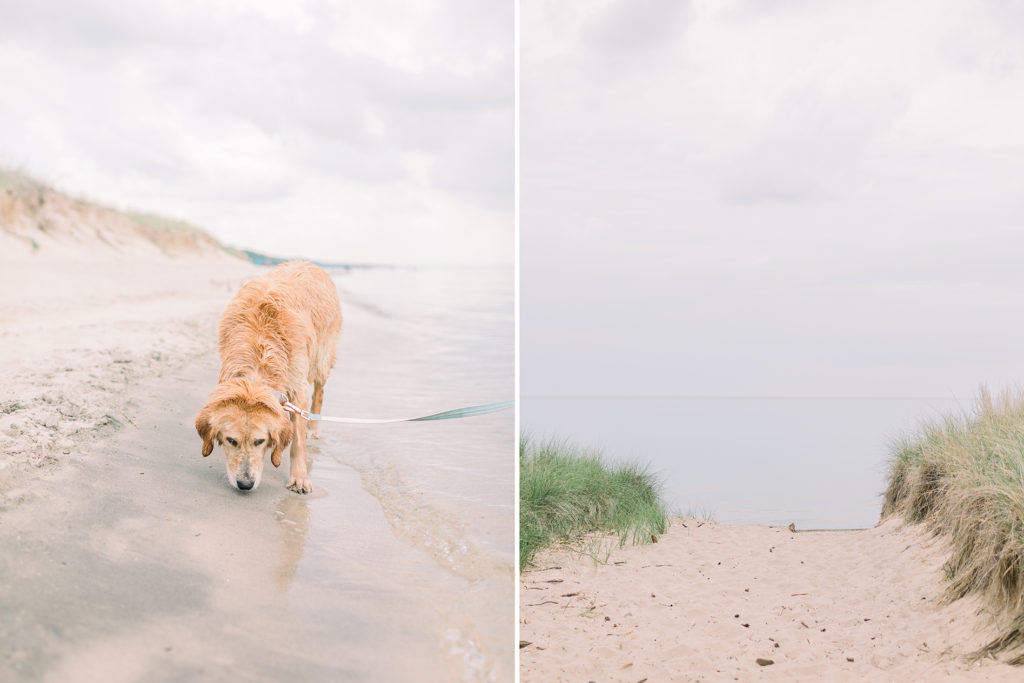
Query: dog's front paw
[{"x": 300, "y": 485}]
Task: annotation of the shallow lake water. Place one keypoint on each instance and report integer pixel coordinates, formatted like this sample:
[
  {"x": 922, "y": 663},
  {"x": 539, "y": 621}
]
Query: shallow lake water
[
  {"x": 816, "y": 462},
  {"x": 416, "y": 342}
]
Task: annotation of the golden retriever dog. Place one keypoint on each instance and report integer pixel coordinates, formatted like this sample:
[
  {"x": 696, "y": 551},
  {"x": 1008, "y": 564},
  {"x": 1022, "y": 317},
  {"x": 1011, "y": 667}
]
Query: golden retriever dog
[{"x": 279, "y": 334}]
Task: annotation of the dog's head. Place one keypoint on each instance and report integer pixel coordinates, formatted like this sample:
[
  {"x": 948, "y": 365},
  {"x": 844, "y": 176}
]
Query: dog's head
[{"x": 247, "y": 420}]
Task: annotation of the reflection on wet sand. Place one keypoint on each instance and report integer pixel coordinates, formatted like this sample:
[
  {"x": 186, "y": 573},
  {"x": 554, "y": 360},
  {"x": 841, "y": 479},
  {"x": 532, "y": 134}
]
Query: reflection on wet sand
[
  {"x": 409, "y": 573},
  {"x": 293, "y": 514}
]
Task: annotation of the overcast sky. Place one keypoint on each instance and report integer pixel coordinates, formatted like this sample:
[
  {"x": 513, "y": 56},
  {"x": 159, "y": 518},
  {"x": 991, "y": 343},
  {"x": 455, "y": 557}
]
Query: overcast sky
[
  {"x": 793, "y": 197},
  {"x": 353, "y": 131}
]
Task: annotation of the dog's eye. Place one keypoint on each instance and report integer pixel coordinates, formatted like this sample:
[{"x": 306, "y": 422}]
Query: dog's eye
[
  {"x": 232, "y": 441},
  {"x": 257, "y": 442}
]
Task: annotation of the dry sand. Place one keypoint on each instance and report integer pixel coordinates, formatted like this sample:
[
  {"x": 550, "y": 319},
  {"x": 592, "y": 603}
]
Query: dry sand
[
  {"x": 83, "y": 340},
  {"x": 708, "y": 600}
]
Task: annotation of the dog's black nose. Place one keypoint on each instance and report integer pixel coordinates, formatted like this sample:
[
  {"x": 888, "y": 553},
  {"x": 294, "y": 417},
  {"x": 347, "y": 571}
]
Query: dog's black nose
[{"x": 245, "y": 484}]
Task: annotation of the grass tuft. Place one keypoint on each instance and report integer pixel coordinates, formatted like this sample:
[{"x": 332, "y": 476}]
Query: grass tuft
[
  {"x": 963, "y": 476},
  {"x": 566, "y": 494}
]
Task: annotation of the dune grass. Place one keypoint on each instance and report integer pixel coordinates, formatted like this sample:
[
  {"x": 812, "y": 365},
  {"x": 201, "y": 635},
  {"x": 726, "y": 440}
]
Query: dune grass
[
  {"x": 566, "y": 493},
  {"x": 12, "y": 179},
  {"x": 963, "y": 477},
  {"x": 161, "y": 223}
]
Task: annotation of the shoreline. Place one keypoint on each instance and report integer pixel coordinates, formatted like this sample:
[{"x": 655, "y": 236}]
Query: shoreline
[
  {"x": 129, "y": 558},
  {"x": 708, "y": 600}
]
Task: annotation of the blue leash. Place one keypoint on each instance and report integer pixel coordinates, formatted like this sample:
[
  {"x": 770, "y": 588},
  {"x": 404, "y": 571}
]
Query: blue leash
[{"x": 469, "y": 411}]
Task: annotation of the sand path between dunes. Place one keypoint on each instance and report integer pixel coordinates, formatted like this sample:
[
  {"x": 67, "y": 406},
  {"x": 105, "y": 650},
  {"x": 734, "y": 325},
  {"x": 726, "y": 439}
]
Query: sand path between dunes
[{"x": 708, "y": 600}]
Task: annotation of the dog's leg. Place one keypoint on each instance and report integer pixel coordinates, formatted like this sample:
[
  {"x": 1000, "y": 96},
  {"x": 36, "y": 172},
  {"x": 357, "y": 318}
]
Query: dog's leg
[
  {"x": 298, "y": 475},
  {"x": 318, "y": 402}
]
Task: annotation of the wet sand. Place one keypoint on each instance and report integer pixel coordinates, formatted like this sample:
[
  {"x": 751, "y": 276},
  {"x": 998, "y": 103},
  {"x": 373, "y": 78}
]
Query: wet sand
[
  {"x": 141, "y": 565},
  {"x": 127, "y": 557},
  {"x": 709, "y": 600}
]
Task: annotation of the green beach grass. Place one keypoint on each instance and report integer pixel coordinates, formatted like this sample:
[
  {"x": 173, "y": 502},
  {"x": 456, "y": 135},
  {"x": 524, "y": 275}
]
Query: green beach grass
[
  {"x": 963, "y": 476},
  {"x": 566, "y": 494}
]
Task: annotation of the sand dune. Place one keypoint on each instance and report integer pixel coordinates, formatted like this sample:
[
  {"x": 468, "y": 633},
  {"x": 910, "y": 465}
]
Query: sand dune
[
  {"x": 708, "y": 601},
  {"x": 38, "y": 221}
]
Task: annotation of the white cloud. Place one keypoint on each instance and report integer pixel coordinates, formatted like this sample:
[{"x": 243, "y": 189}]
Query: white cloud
[
  {"x": 212, "y": 111},
  {"x": 761, "y": 196},
  {"x": 635, "y": 25}
]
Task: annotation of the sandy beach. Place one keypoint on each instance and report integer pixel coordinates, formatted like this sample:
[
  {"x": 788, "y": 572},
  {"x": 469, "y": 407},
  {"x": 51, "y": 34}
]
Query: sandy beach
[
  {"x": 127, "y": 557},
  {"x": 710, "y": 601}
]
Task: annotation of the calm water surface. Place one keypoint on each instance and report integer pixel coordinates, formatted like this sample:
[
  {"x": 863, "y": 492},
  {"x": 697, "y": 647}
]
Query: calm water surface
[
  {"x": 820, "y": 463},
  {"x": 415, "y": 522}
]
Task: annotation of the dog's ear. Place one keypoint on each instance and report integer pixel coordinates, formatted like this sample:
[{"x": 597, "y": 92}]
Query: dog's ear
[
  {"x": 280, "y": 438},
  {"x": 205, "y": 430}
]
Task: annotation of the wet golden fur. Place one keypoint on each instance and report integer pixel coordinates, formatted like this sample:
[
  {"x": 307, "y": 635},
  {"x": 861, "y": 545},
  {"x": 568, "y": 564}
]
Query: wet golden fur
[{"x": 279, "y": 333}]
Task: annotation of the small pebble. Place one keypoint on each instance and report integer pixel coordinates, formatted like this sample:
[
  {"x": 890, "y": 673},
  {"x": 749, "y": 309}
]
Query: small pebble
[{"x": 761, "y": 661}]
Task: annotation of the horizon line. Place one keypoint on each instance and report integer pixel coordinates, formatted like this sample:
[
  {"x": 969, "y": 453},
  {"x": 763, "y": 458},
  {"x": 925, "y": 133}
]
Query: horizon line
[{"x": 779, "y": 397}]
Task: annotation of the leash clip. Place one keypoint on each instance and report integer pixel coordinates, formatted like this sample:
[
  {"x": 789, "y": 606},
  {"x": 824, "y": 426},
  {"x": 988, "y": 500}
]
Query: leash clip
[{"x": 290, "y": 407}]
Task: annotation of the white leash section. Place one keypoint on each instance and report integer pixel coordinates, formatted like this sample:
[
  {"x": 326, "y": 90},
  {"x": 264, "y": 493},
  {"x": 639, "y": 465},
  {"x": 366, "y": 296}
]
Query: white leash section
[{"x": 446, "y": 415}]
